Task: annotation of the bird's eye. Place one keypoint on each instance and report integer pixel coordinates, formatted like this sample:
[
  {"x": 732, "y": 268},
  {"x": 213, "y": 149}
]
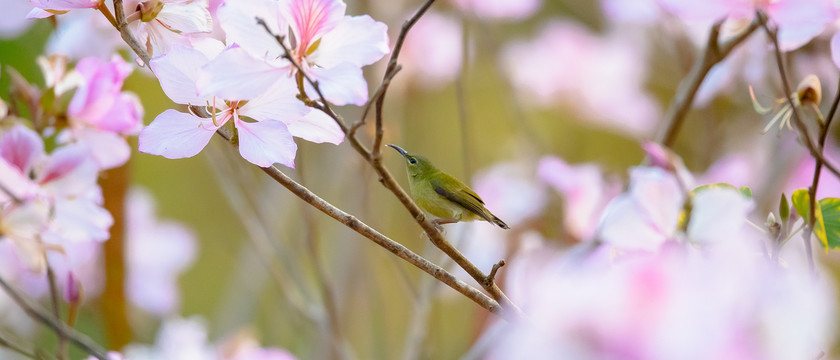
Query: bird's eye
[{"x": 412, "y": 160}]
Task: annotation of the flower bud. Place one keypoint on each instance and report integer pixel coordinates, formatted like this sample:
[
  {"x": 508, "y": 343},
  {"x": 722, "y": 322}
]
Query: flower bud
[
  {"x": 149, "y": 10},
  {"x": 809, "y": 90},
  {"x": 72, "y": 289}
]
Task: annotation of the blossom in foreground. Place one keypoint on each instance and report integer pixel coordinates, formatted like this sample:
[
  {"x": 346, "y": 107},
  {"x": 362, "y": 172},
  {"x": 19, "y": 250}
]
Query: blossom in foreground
[
  {"x": 47, "y": 8},
  {"x": 330, "y": 46},
  {"x": 585, "y": 191},
  {"x": 265, "y": 123},
  {"x": 13, "y": 19},
  {"x": 798, "y": 21},
  {"x": 160, "y": 24},
  {"x": 158, "y": 251}
]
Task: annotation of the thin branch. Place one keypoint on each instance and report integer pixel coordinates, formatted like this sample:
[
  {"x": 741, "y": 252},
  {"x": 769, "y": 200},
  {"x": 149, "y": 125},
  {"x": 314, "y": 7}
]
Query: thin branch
[
  {"x": 127, "y": 36},
  {"x": 772, "y": 34},
  {"x": 54, "y": 302},
  {"x": 81, "y": 341},
  {"x": 491, "y": 278},
  {"x": 714, "y": 53},
  {"x": 17, "y": 349},
  {"x": 381, "y": 240}
]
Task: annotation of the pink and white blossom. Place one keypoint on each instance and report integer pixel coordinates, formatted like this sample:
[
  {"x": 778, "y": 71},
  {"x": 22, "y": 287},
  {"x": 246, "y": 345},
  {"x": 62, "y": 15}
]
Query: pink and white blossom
[
  {"x": 160, "y": 24},
  {"x": 47, "y": 8},
  {"x": 273, "y": 116},
  {"x": 432, "y": 52},
  {"x": 330, "y": 46}
]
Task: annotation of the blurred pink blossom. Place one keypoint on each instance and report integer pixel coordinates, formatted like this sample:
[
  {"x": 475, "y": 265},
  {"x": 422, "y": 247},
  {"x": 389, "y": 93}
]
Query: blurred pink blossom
[
  {"x": 632, "y": 11},
  {"x": 432, "y": 52},
  {"x": 82, "y": 34},
  {"x": 158, "y": 251},
  {"x": 603, "y": 77},
  {"x": 101, "y": 113},
  {"x": 585, "y": 191},
  {"x": 278, "y": 113},
  {"x": 46, "y": 8},
  {"x": 657, "y": 306},
  {"x": 13, "y": 19},
  {"x": 330, "y": 46},
  {"x": 502, "y": 10},
  {"x": 798, "y": 22}
]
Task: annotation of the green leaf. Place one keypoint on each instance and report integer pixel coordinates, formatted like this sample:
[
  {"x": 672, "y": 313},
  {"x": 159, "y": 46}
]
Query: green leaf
[
  {"x": 784, "y": 208},
  {"x": 800, "y": 203},
  {"x": 746, "y": 191},
  {"x": 831, "y": 219}
]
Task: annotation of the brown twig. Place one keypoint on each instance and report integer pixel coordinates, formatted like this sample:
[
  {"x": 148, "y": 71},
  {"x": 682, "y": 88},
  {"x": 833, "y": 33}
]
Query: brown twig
[
  {"x": 772, "y": 34},
  {"x": 714, "y": 53},
  {"x": 381, "y": 240},
  {"x": 61, "y": 354},
  {"x": 81, "y": 341},
  {"x": 492, "y": 277},
  {"x": 126, "y": 34},
  {"x": 17, "y": 349}
]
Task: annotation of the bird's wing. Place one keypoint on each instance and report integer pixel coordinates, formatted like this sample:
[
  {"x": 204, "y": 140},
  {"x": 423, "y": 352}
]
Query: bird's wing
[{"x": 459, "y": 194}]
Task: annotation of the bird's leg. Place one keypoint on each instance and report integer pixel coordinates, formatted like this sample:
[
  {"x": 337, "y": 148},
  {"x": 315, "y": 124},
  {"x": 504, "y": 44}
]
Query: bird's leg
[{"x": 440, "y": 222}]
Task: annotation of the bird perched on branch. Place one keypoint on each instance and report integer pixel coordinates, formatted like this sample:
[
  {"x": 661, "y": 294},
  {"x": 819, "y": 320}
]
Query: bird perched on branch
[{"x": 442, "y": 195}]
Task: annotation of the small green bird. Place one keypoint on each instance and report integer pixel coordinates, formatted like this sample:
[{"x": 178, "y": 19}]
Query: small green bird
[{"x": 442, "y": 195}]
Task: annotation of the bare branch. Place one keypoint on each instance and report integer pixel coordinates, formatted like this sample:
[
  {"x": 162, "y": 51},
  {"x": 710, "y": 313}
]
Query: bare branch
[
  {"x": 381, "y": 240},
  {"x": 714, "y": 53},
  {"x": 42, "y": 316},
  {"x": 491, "y": 278},
  {"x": 126, "y": 34}
]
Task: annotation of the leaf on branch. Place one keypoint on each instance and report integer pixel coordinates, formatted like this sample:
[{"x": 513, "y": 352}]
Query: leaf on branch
[
  {"x": 801, "y": 202},
  {"x": 830, "y": 208},
  {"x": 784, "y": 208}
]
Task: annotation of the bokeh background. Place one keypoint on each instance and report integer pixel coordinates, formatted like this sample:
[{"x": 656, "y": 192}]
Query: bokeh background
[{"x": 485, "y": 97}]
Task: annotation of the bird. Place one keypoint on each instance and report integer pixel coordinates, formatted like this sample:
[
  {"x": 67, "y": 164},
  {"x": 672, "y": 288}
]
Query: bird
[{"x": 442, "y": 195}]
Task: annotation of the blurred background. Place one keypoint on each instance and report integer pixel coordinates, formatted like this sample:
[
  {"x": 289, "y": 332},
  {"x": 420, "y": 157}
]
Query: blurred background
[{"x": 488, "y": 93}]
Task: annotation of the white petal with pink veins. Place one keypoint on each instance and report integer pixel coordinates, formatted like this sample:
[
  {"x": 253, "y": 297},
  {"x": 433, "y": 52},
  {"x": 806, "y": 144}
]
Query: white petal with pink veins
[
  {"x": 108, "y": 149},
  {"x": 311, "y": 19},
  {"x": 266, "y": 142},
  {"x": 186, "y": 17},
  {"x": 625, "y": 225},
  {"x": 13, "y": 181},
  {"x": 358, "y": 40},
  {"x": 177, "y": 72},
  {"x": 718, "y": 214},
  {"x": 278, "y": 102},
  {"x": 316, "y": 127},
  {"x": 21, "y": 147},
  {"x": 343, "y": 84},
  {"x": 176, "y": 135},
  {"x": 237, "y": 18},
  {"x": 659, "y": 196},
  {"x": 235, "y": 75}
]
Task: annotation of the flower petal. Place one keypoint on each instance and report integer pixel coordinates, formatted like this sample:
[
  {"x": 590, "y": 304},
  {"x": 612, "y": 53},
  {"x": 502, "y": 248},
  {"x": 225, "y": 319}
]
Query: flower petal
[
  {"x": 276, "y": 103},
  {"x": 65, "y": 4},
  {"x": 176, "y": 135},
  {"x": 311, "y": 19},
  {"x": 358, "y": 40},
  {"x": 186, "y": 17},
  {"x": 80, "y": 220},
  {"x": 69, "y": 171},
  {"x": 13, "y": 181},
  {"x": 237, "y": 20},
  {"x": 177, "y": 72},
  {"x": 21, "y": 147},
  {"x": 266, "y": 142},
  {"x": 316, "y": 127},
  {"x": 108, "y": 149},
  {"x": 343, "y": 84},
  {"x": 235, "y": 75}
]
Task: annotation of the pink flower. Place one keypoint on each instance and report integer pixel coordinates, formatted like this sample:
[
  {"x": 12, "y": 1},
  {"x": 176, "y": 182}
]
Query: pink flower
[
  {"x": 82, "y": 34},
  {"x": 798, "y": 21},
  {"x": 585, "y": 191},
  {"x": 432, "y": 51},
  {"x": 507, "y": 10},
  {"x": 602, "y": 77},
  {"x": 277, "y": 115},
  {"x": 158, "y": 251},
  {"x": 63, "y": 6},
  {"x": 160, "y": 24},
  {"x": 13, "y": 20},
  {"x": 101, "y": 113},
  {"x": 63, "y": 183},
  {"x": 331, "y": 47}
]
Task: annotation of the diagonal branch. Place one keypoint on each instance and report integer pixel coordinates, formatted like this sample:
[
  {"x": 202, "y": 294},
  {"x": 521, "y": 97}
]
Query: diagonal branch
[
  {"x": 381, "y": 240},
  {"x": 127, "y": 36},
  {"x": 713, "y": 54},
  {"x": 44, "y": 317}
]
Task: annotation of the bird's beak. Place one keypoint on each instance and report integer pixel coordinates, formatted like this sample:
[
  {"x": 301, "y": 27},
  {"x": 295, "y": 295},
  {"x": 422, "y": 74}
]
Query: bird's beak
[{"x": 402, "y": 152}]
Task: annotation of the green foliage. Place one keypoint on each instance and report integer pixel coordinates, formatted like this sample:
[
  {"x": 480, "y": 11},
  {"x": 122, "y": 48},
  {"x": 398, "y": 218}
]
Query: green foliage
[
  {"x": 831, "y": 216},
  {"x": 801, "y": 202},
  {"x": 784, "y": 208}
]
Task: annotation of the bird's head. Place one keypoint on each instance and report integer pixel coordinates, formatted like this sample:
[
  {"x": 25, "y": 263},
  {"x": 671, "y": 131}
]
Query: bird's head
[{"x": 417, "y": 165}]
